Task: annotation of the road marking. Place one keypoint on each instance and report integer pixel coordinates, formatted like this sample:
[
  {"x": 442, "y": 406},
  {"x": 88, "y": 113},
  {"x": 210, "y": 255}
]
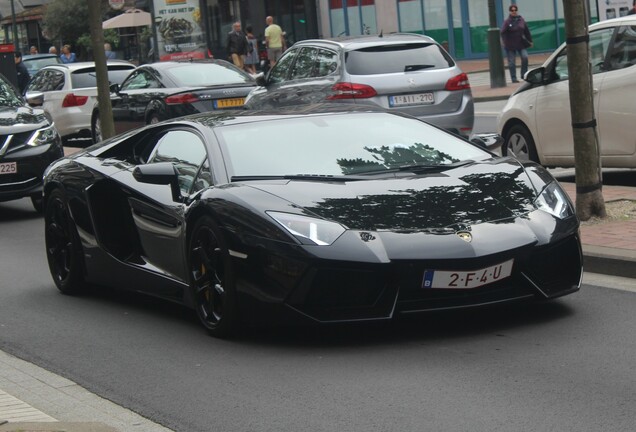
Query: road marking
[{"x": 608, "y": 281}]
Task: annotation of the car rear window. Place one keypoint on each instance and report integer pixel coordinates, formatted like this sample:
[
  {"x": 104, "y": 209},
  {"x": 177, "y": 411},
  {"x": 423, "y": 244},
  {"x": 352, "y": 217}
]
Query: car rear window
[
  {"x": 385, "y": 59},
  {"x": 87, "y": 78},
  {"x": 207, "y": 74},
  {"x": 39, "y": 63}
]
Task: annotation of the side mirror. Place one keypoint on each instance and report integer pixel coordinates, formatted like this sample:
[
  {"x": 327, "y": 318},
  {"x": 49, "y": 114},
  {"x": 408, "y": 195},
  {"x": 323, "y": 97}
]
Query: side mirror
[
  {"x": 161, "y": 173},
  {"x": 35, "y": 98},
  {"x": 260, "y": 79},
  {"x": 114, "y": 88},
  {"x": 535, "y": 76},
  {"x": 489, "y": 141}
]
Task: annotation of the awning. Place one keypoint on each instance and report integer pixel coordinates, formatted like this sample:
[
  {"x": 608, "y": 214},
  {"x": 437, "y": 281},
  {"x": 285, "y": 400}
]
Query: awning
[{"x": 130, "y": 18}]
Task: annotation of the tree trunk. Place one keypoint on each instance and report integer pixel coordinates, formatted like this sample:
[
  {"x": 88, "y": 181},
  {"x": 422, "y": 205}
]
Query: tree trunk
[
  {"x": 103, "y": 88},
  {"x": 589, "y": 182}
]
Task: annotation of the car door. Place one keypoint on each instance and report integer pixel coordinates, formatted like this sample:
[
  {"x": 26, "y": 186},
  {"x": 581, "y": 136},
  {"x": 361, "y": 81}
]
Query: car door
[
  {"x": 159, "y": 217},
  {"x": 616, "y": 114},
  {"x": 553, "y": 117},
  {"x": 130, "y": 103},
  {"x": 277, "y": 84},
  {"x": 315, "y": 73}
]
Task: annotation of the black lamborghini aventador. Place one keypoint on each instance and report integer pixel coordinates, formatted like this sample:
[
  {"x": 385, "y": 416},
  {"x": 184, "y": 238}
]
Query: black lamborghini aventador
[{"x": 327, "y": 213}]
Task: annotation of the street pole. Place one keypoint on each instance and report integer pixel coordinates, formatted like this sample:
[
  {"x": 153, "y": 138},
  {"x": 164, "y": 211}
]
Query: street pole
[
  {"x": 495, "y": 58},
  {"x": 16, "y": 42}
]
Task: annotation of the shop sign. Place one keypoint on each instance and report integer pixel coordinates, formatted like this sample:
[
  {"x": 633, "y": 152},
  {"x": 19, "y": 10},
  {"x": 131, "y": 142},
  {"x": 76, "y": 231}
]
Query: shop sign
[{"x": 179, "y": 29}]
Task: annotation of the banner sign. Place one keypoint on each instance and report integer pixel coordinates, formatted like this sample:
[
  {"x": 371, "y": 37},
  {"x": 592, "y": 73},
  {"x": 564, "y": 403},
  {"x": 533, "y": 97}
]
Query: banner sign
[{"x": 179, "y": 30}]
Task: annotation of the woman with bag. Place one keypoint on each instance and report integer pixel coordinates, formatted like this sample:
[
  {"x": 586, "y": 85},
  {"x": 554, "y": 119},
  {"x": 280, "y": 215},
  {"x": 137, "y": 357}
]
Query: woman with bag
[{"x": 516, "y": 39}]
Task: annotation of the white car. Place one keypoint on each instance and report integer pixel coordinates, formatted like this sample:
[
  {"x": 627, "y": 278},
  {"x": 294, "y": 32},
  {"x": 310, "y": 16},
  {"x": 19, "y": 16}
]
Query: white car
[
  {"x": 536, "y": 122},
  {"x": 68, "y": 93}
]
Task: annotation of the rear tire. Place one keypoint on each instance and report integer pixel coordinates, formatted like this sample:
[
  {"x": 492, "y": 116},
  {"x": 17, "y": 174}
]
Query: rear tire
[
  {"x": 519, "y": 144},
  {"x": 63, "y": 248},
  {"x": 212, "y": 279},
  {"x": 154, "y": 118}
]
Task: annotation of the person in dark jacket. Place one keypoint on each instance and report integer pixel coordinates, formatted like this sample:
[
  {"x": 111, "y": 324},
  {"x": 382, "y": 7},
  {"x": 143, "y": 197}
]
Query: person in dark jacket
[
  {"x": 237, "y": 45},
  {"x": 516, "y": 39},
  {"x": 21, "y": 71}
]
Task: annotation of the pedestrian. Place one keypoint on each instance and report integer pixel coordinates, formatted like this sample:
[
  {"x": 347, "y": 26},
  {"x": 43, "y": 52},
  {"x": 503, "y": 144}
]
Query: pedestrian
[
  {"x": 33, "y": 50},
  {"x": 53, "y": 50},
  {"x": 516, "y": 39},
  {"x": 110, "y": 54},
  {"x": 274, "y": 41},
  {"x": 632, "y": 11},
  {"x": 251, "y": 59},
  {"x": 21, "y": 71},
  {"x": 237, "y": 45},
  {"x": 67, "y": 56}
]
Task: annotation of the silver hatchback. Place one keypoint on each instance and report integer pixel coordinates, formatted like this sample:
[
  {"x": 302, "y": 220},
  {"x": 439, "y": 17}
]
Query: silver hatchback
[{"x": 409, "y": 73}]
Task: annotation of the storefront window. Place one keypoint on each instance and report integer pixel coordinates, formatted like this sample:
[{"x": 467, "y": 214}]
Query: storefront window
[
  {"x": 410, "y": 15},
  {"x": 352, "y": 17}
]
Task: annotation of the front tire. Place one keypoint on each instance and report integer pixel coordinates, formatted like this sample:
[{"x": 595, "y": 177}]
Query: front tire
[
  {"x": 63, "y": 248},
  {"x": 96, "y": 128},
  {"x": 520, "y": 144},
  {"x": 212, "y": 279}
]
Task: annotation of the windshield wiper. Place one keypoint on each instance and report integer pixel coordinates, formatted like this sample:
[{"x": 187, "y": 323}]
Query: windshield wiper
[
  {"x": 306, "y": 177},
  {"x": 411, "y": 68},
  {"x": 418, "y": 168}
]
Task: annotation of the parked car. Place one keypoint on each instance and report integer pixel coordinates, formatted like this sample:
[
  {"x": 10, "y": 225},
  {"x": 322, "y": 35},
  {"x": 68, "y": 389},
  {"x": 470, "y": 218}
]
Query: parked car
[
  {"x": 536, "y": 121},
  {"x": 327, "y": 214},
  {"x": 409, "y": 73},
  {"x": 29, "y": 142},
  {"x": 35, "y": 62},
  {"x": 165, "y": 90},
  {"x": 68, "y": 92}
]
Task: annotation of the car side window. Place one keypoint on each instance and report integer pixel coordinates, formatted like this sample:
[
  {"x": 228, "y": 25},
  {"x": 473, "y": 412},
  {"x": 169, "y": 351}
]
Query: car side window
[
  {"x": 599, "y": 45},
  {"x": 326, "y": 63},
  {"x": 186, "y": 151},
  {"x": 623, "y": 51},
  {"x": 46, "y": 80},
  {"x": 304, "y": 64},
  {"x": 140, "y": 80},
  {"x": 280, "y": 70}
]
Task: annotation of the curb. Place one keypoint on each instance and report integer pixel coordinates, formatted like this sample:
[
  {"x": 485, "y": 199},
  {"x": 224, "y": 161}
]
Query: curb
[{"x": 605, "y": 260}]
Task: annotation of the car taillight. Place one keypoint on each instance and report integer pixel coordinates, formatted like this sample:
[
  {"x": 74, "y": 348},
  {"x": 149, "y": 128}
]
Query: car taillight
[
  {"x": 458, "y": 82},
  {"x": 184, "y": 98},
  {"x": 343, "y": 90},
  {"x": 71, "y": 100}
]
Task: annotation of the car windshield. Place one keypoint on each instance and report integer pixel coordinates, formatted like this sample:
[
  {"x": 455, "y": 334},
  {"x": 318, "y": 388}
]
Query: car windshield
[
  {"x": 385, "y": 59},
  {"x": 207, "y": 74},
  {"x": 87, "y": 78},
  {"x": 8, "y": 96},
  {"x": 342, "y": 144},
  {"x": 37, "y": 63}
]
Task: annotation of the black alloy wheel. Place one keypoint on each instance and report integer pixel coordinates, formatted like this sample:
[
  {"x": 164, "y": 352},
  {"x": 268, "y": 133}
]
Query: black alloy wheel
[
  {"x": 96, "y": 129},
  {"x": 63, "y": 249},
  {"x": 519, "y": 144},
  {"x": 212, "y": 279}
]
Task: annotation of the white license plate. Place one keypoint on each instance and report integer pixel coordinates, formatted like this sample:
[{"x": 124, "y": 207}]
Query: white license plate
[
  {"x": 8, "y": 168},
  {"x": 412, "y": 99},
  {"x": 466, "y": 279}
]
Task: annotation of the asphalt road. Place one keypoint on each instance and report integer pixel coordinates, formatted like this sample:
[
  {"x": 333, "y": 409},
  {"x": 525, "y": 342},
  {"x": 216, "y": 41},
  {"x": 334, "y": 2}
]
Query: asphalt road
[{"x": 565, "y": 365}]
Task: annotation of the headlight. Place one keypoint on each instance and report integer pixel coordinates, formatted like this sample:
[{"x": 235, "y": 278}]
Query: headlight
[
  {"x": 554, "y": 201},
  {"x": 318, "y": 231},
  {"x": 47, "y": 135}
]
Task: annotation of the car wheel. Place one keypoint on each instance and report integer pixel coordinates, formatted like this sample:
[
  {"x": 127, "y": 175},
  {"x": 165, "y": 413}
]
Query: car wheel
[
  {"x": 96, "y": 128},
  {"x": 154, "y": 118},
  {"x": 63, "y": 250},
  {"x": 519, "y": 143},
  {"x": 212, "y": 279},
  {"x": 38, "y": 203}
]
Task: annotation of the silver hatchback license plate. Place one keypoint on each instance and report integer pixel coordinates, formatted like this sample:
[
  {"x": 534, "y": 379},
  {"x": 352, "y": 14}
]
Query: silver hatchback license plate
[
  {"x": 412, "y": 99},
  {"x": 467, "y": 279},
  {"x": 8, "y": 168}
]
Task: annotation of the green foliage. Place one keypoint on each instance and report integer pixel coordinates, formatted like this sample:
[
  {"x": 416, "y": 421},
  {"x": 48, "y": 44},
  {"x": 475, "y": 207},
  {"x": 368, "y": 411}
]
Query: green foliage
[
  {"x": 111, "y": 36},
  {"x": 66, "y": 20}
]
